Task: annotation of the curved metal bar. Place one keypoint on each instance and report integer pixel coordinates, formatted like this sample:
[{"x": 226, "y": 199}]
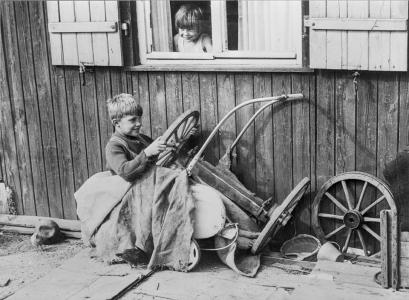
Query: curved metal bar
[
  {"x": 248, "y": 102},
  {"x": 249, "y": 123}
]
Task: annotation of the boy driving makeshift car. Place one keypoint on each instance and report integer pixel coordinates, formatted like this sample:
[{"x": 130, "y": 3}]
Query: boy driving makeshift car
[{"x": 143, "y": 210}]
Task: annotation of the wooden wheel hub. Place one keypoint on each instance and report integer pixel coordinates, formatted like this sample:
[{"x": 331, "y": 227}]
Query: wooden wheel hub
[{"x": 353, "y": 219}]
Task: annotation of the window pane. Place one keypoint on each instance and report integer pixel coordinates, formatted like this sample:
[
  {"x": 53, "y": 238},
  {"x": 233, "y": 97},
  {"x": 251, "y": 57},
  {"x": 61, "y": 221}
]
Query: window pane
[
  {"x": 262, "y": 26},
  {"x": 181, "y": 26}
]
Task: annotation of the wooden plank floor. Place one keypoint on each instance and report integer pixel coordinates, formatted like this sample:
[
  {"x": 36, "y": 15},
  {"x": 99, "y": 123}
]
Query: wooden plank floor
[{"x": 85, "y": 278}]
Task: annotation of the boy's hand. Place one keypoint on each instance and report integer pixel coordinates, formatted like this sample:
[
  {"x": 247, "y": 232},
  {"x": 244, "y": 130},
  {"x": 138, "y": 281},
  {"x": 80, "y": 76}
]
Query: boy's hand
[
  {"x": 155, "y": 148},
  {"x": 194, "y": 131}
]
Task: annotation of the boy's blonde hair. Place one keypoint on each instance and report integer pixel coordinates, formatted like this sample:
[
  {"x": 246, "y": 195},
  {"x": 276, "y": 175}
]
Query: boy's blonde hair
[
  {"x": 189, "y": 17},
  {"x": 123, "y": 105}
]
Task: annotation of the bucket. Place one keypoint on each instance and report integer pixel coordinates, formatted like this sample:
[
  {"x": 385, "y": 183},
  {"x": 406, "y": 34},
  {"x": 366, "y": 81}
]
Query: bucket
[{"x": 329, "y": 252}]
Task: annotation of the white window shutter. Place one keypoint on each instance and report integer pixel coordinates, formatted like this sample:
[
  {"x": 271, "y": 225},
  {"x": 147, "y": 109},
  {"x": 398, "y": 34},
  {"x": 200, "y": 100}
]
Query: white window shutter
[
  {"x": 85, "y": 32},
  {"x": 358, "y": 34}
]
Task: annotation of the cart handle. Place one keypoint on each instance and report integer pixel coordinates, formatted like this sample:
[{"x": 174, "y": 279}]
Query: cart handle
[{"x": 213, "y": 133}]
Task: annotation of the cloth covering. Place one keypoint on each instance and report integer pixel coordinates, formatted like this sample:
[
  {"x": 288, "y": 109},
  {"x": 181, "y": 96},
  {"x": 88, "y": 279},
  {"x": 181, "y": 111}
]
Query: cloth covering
[{"x": 154, "y": 214}]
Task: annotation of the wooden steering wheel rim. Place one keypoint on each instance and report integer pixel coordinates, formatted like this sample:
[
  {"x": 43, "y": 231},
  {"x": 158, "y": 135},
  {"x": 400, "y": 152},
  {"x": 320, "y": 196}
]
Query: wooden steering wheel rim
[{"x": 176, "y": 136}]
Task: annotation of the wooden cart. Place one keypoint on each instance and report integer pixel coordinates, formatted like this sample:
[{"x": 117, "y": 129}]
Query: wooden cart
[{"x": 267, "y": 213}]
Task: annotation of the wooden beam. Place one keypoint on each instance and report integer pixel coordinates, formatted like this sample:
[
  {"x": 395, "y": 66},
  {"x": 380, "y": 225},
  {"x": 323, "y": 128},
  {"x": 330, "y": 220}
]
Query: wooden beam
[
  {"x": 357, "y": 24},
  {"x": 69, "y": 27},
  {"x": 30, "y": 230},
  {"x": 32, "y": 221}
]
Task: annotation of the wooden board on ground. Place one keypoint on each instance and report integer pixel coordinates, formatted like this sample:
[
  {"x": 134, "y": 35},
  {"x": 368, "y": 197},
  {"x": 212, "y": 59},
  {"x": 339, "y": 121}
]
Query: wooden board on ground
[{"x": 80, "y": 278}]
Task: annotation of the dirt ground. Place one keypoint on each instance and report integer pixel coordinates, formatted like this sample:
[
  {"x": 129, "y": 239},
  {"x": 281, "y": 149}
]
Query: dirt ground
[{"x": 22, "y": 263}]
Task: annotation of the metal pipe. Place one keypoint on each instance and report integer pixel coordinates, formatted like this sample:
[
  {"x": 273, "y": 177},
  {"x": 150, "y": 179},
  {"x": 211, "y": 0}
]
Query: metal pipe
[
  {"x": 249, "y": 123},
  {"x": 248, "y": 102}
]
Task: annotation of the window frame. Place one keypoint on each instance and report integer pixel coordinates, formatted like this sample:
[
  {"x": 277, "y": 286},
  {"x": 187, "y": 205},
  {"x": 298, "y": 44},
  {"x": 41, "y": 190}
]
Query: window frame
[{"x": 221, "y": 58}]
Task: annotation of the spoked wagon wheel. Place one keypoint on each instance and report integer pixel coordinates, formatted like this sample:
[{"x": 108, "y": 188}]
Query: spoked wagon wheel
[
  {"x": 347, "y": 210},
  {"x": 176, "y": 136}
]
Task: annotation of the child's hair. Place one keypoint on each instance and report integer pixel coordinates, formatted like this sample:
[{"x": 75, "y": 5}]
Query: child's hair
[
  {"x": 123, "y": 105},
  {"x": 189, "y": 16}
]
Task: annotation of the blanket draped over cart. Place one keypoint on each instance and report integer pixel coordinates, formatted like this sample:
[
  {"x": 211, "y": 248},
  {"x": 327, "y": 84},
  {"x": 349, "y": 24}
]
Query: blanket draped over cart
[{"x": 153, "y": 214}]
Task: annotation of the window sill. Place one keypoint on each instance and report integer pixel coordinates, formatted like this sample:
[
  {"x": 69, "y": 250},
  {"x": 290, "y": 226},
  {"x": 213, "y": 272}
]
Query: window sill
[{"x": 219, "y": 68}]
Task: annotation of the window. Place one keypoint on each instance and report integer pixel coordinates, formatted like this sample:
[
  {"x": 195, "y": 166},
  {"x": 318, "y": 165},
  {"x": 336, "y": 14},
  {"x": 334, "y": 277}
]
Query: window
[{"x": 227, "y": 32}]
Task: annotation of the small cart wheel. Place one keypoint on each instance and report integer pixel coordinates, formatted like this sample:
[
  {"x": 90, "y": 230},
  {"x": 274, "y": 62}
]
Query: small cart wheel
[
  {"x": 194, "y": 255},
  {"x": 349, "y": 204},
  {"x": 280, "y": 216},
  {"x": 176, "y": 136}
]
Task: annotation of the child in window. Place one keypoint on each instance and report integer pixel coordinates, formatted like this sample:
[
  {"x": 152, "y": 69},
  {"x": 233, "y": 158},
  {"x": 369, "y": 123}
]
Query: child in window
[{"x": 189, "y": 21}]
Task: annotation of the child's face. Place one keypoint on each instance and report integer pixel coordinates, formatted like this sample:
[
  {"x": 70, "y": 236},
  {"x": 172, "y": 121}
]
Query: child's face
[
  {"x": 129, "y": 125},
  {"x": 189, "y": 34}
]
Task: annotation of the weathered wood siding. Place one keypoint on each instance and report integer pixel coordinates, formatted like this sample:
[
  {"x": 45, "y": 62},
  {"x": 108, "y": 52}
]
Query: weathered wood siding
[{"x": 54, "y": 129}]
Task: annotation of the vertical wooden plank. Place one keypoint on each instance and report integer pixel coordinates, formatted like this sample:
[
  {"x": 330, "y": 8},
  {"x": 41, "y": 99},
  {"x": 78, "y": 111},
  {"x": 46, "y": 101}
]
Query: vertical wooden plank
[
  {"x": 114, "y": 39},
  {"x": 103, "y": 93},
  {"x": 385, "y": 251},
  {"x": 84, "y": 40},
  {"x": 336, "y": 40},
  {"x": 345, "y": 123},
  {"x": 358, "y": 41},
  {"x": 208, "y": 109},
  {"x": 99, "y": 40},
  {"x": 18, "y": 112},
  {"x": 264, "y": 139},
  {"x": 318, "y": 38},
  {"x": 29, "y": 87},
  {"x": 245, "y": 149},
  {"x": 7, "y": 125},
  {"x": 91, "y": 123},
  {"x": 157, "y": 103},
  {"x": 63, "y": 140},
  {"x": 76, "y": 123},
  {"x": 395, "y": 261},
  {"x": 302, "y": 148},
  {"x": 143, "y": 85},
  {"x": 190, "y": 87},
  {"x": 69, "y": 40},
  {"x": 345, "y": 113},
  {"x": 388, "y": 105},
  {"x": 379, "y": 42},
  {"x": 403, "y": 112},
  {"x": 135, "y": 85},
  {"x": 366, "y": 140},
  {"x": 325, "y": 136},
  {"x": 399, "y": 40},
  {"x": 226, "y": 102},
  {"x": 45, "y": 103},
  {"x": 174, "y": 98},
  {"x": 282, "y": 134},
  {"x": 55, "y": 39}
]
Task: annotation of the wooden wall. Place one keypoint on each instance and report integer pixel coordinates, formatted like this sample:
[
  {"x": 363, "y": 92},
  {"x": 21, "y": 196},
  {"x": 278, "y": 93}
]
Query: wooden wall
[{"x": 54, "y": 129}]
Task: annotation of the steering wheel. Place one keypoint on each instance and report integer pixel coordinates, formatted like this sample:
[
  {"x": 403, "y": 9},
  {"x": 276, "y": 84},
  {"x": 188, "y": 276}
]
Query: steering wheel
[{"x": 176, "y": 136}]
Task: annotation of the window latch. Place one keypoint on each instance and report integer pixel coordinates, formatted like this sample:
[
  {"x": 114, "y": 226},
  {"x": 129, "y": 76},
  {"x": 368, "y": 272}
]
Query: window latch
[{"x": 125, "y": 28}]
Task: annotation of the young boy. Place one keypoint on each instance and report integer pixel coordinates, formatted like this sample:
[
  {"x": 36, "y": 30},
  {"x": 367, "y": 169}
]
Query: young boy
[
  {"x": 191, "y": 37},
  {"x": 128, "y": 152}
]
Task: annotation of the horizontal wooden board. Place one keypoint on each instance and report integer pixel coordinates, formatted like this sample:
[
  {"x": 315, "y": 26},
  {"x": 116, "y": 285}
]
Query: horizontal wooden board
[
  {"x": 64, "y": 27},
  {"x": 357, "y": 24}
]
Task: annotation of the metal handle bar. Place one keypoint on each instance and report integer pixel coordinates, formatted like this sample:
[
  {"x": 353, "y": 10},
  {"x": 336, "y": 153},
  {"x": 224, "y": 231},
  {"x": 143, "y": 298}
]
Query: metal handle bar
[{"x": 248, "y": 102}]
